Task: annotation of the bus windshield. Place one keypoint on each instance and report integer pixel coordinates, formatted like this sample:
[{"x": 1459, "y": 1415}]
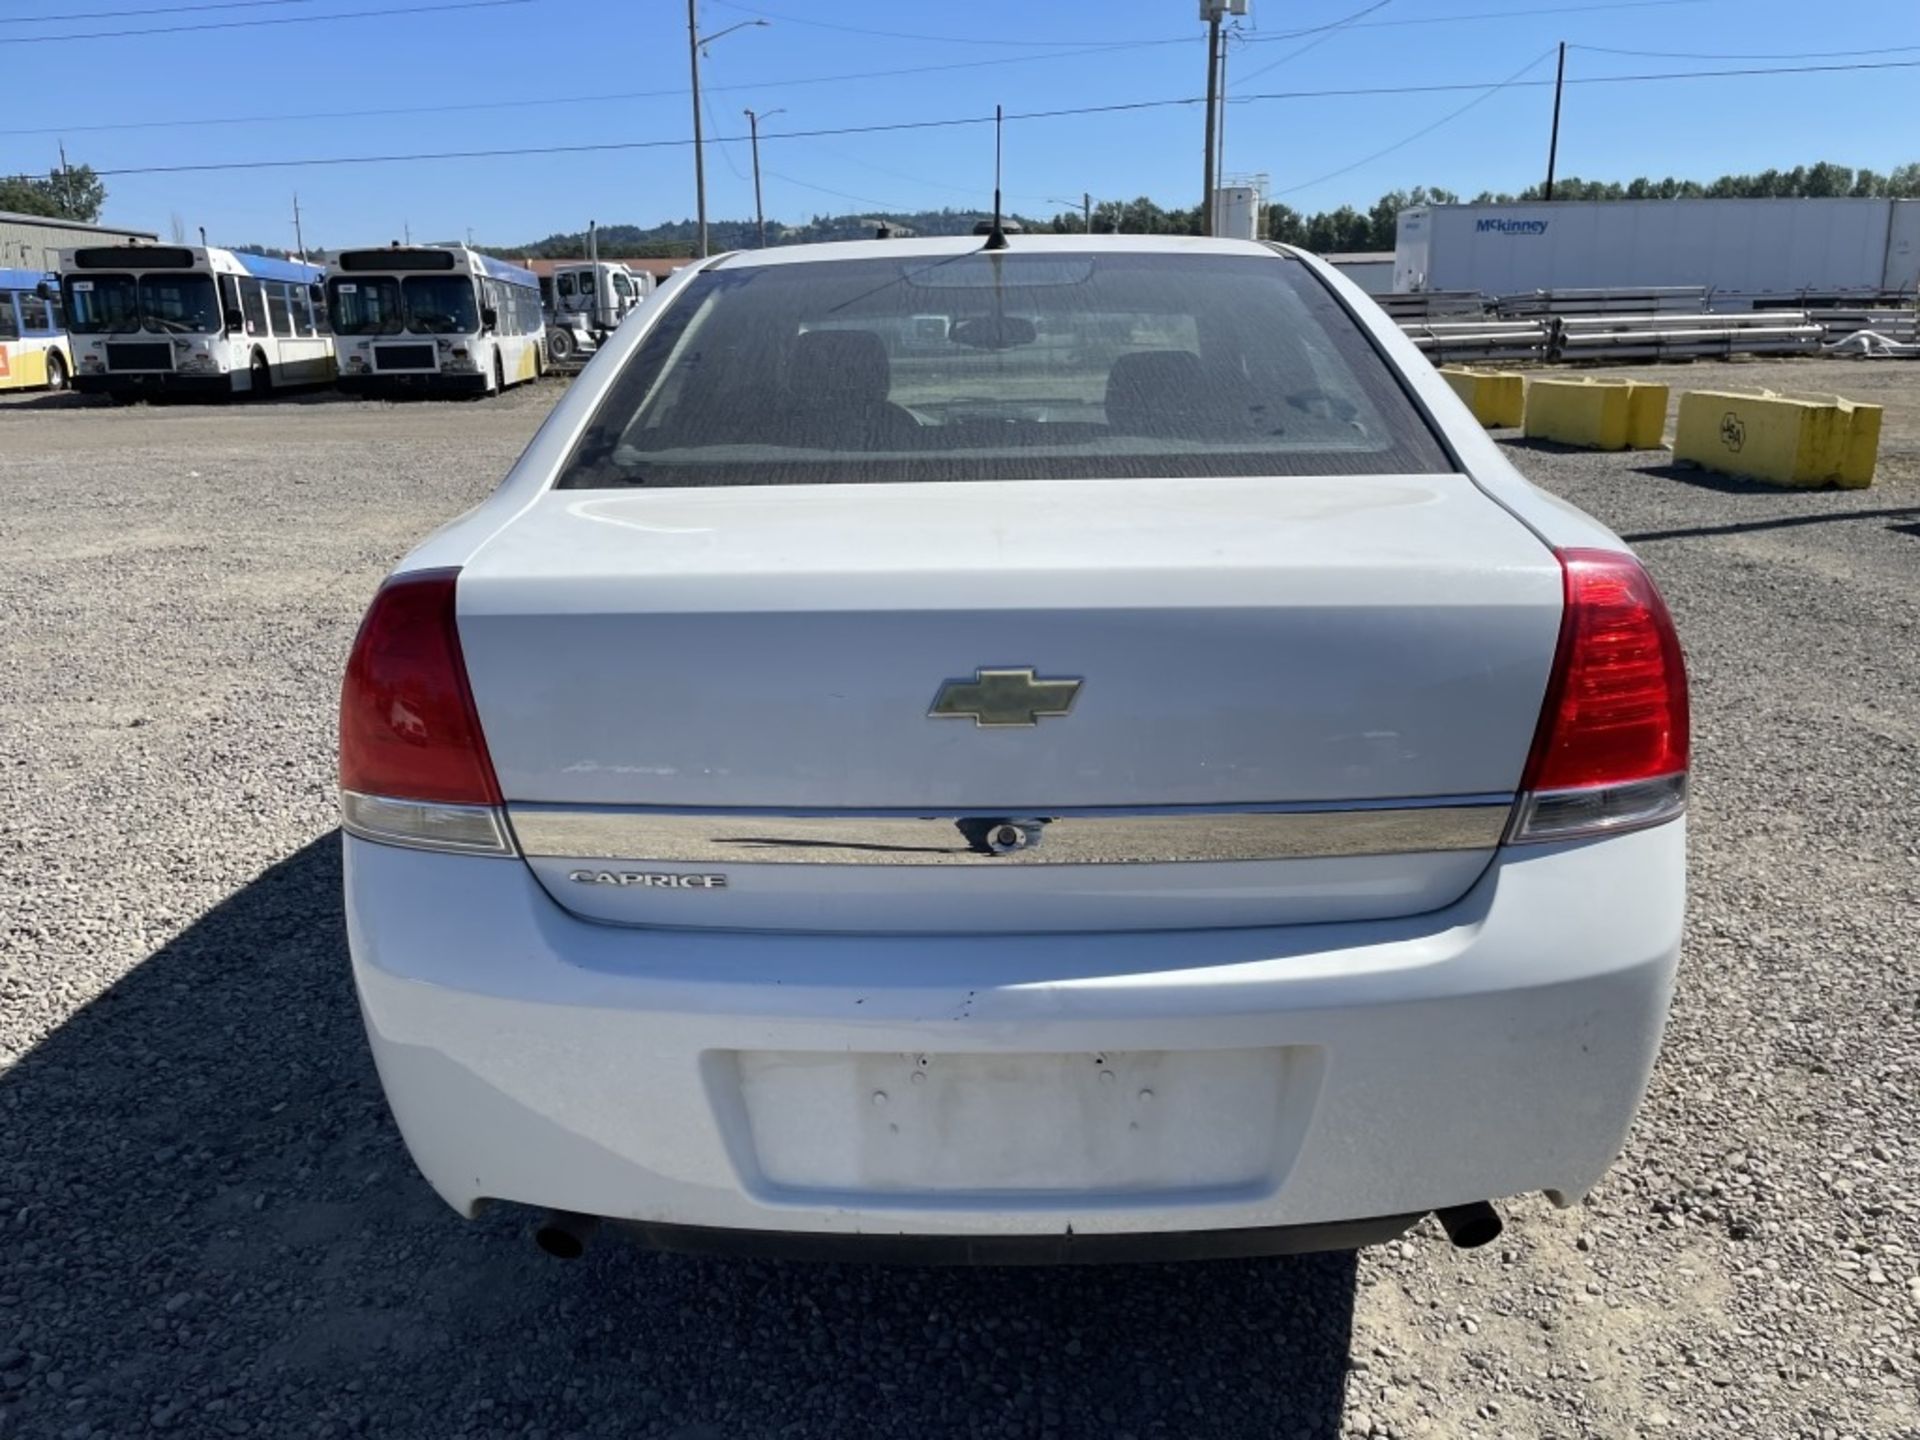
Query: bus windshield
[
  {"x": 441, "y": 305},
  {"x": 365, "y": 305},
  {"x": 165, "y": 304},
  {"x": 100, "y": 304},
  {"x": 180, "y": 304}
]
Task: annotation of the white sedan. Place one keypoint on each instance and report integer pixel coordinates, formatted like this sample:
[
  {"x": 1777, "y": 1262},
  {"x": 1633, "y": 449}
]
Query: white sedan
[{"x": 1077, "y": 751}]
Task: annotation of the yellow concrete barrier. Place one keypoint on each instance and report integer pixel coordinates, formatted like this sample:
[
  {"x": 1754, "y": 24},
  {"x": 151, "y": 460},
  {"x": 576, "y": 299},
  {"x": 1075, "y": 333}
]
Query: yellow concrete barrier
[
  {"x": 1597, "y": 414},
  {"x": 1805, "y": 443},
  {"x": 1496, "y": 397}
]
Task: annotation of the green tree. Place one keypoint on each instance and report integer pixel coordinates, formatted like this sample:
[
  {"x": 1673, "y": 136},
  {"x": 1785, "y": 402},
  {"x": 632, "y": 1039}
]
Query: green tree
[
  {"x": 75, "y": 193},
  {"x": 1286, "y": 224}
]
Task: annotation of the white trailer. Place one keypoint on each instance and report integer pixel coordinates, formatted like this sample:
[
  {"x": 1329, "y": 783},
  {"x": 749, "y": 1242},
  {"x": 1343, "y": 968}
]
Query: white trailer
[{"x": 1742, "y": 251}]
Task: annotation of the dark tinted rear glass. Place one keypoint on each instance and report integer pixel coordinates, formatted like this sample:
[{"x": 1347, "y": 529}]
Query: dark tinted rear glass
[{"x": 1047, "y": 365}]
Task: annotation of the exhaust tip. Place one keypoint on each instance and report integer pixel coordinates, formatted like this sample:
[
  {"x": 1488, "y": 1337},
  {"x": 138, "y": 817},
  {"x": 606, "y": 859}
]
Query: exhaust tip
[
  {"x": 564, "y": 1235},
  {"x": 1470, "y": 1226}
]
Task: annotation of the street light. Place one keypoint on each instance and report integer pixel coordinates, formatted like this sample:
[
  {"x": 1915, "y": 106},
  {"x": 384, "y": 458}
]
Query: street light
[
  {"x": 753, "y": 125},
  {"x": 1084, "y": 205},
  {"x": 696, "y": 42}
]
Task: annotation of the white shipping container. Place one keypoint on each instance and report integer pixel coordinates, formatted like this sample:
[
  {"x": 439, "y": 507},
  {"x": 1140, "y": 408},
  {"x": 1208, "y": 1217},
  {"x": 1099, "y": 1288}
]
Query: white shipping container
[{"x": 1746, "y": 248}]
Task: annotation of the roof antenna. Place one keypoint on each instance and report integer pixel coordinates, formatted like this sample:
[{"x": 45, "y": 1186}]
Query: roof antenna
[{"x": 996, "y": 237}]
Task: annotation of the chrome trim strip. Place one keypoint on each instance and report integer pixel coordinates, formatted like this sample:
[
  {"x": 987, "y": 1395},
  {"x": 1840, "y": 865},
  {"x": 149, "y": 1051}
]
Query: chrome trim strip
[
  {"x": 1168, "y": 835},
  {"x": 426, "y": 824},
  {"x": 1543, "y": 816}
]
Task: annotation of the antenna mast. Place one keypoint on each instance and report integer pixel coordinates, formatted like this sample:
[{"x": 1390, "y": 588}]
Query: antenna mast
[{"x": 996, "y": 237}]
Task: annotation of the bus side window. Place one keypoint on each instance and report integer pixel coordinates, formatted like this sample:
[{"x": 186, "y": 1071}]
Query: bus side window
[
  {"x": 229, "y": 296},
  {"x": 253, "y": 306},
  {"x": 277, "y": 310},
  {"x": 322, "y": 325},
  {"x": 302, "y": 310},
  {"x": 9, "y": 321},
  {"x": 36, "y": 316}
]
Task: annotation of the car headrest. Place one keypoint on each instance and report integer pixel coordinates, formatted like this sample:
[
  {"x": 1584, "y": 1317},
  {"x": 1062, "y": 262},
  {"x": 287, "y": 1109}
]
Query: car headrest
[
  {"x": 1149, "y": 388},
  {"x": 841, "y": 367}
]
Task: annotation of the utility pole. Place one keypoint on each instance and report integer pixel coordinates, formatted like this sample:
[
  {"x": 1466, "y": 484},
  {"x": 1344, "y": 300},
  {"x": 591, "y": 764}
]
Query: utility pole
[
  {"x": 1553, "y": 148},
  {"x": 406, "y": 229},
  {"x": 1214, "y": 10},
  {"x": 1086, "y": 210},
  {"x": 66, "y": 179},
  {"x": 299, "y": 240},
  {"x": 1220, "y": 125},
  {"x": 699, "y": 150},
  {"x": 759, "y": 211},
  {"x": 694, "y": 43}
]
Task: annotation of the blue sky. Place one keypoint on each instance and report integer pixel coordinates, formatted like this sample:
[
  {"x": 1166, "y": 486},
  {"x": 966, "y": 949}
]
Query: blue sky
[{"x": 541, "y": 55}]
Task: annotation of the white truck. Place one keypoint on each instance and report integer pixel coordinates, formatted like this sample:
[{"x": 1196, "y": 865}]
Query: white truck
[
  {"x": 585, "y": 301},
  {"x": 1744, "y": 252}
]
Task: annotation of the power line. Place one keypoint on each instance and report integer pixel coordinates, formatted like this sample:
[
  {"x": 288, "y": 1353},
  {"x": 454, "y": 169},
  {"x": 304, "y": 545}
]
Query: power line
[
  {"x": 1331, "y": 32},
  {"x": 950, "y": 122},
  {"x": 786, "y": 18},
  {"x": 574, "y": 100},
  {"x": 842, "y": 194},
  {"x": 1534, "y": 13},
  {"x": 1793, "y": 55},
  {"x": 162, "y": 10},
  {"x": 276, "y": 20},
  {"x": 1425, "y": 130}
]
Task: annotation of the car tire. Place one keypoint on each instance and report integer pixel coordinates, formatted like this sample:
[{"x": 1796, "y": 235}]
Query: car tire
[
  {"x": 56, "y": 371},
  {"x": 259, "y": 377}
]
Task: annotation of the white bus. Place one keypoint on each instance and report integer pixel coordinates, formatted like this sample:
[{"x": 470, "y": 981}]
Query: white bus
[
  {"x": 33, "y": 345},
  {"x": 192, "y": 320},
  {"x": 440, "y": 319}
]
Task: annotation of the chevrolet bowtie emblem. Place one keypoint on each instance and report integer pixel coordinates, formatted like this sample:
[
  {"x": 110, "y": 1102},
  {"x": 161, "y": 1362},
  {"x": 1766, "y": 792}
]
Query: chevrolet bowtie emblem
[{"x": 1004, "y": 697}]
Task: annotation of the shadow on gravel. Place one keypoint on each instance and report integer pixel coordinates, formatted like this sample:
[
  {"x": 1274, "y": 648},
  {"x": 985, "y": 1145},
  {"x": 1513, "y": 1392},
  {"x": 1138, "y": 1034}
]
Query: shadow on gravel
[
  {"x": 1784, "y": 522},
  {"x": 1712, "y": 480},
  {"x": 74, "y": 400},
  {"x": 208, "y": 1226}
]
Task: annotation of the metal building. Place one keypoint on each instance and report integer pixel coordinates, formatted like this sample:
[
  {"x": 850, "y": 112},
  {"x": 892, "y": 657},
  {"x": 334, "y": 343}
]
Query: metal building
[{"x": 34, "y": 242}]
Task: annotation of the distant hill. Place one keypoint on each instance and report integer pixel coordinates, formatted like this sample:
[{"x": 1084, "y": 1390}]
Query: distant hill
[{"x": 676, "y": 238}]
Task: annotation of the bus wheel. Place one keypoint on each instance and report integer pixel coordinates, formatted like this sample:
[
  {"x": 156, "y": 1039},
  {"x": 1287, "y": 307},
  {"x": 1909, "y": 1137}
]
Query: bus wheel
[
  {"x": 56, "y": 371},
  {"x": 259, "y": 377}
]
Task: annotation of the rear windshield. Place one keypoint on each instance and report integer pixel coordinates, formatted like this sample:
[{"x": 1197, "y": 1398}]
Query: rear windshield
[{"x": 1047, "y": 365}]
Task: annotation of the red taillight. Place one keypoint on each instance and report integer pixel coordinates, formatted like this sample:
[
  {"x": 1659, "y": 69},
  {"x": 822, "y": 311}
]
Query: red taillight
[
  {"x": 407, "y": 724},
  {"x": 1616, "y": 709}
]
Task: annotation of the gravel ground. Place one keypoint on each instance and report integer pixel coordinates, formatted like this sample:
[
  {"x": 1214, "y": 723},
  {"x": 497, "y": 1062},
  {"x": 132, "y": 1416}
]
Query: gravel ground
[{"x": 208, "y": 1226}]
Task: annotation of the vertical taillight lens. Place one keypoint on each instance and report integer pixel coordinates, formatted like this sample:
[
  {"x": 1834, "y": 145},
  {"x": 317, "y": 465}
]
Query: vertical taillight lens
[
  {"x": 1611, "y": 751},
  {"x": 414, "y": 768}
]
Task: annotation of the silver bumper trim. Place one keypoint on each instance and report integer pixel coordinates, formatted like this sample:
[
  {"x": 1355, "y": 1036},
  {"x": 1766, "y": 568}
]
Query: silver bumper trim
[{"x": 1169, "y": 835}]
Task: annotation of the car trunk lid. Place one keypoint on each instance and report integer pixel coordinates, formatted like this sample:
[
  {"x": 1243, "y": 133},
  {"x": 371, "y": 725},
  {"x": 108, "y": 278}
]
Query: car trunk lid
[{"x": 1297, "y": 699}]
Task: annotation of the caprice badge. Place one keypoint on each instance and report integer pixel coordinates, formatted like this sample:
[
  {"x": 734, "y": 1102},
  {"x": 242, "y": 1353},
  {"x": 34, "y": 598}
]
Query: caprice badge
[
  {"x": 1004, "y": 697},
  {"x": 648, "y": 879}
]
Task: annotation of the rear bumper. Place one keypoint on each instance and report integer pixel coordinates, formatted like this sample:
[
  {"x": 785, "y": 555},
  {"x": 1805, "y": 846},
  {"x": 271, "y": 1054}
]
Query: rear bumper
[{"x": 1308, "y": 1076}]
